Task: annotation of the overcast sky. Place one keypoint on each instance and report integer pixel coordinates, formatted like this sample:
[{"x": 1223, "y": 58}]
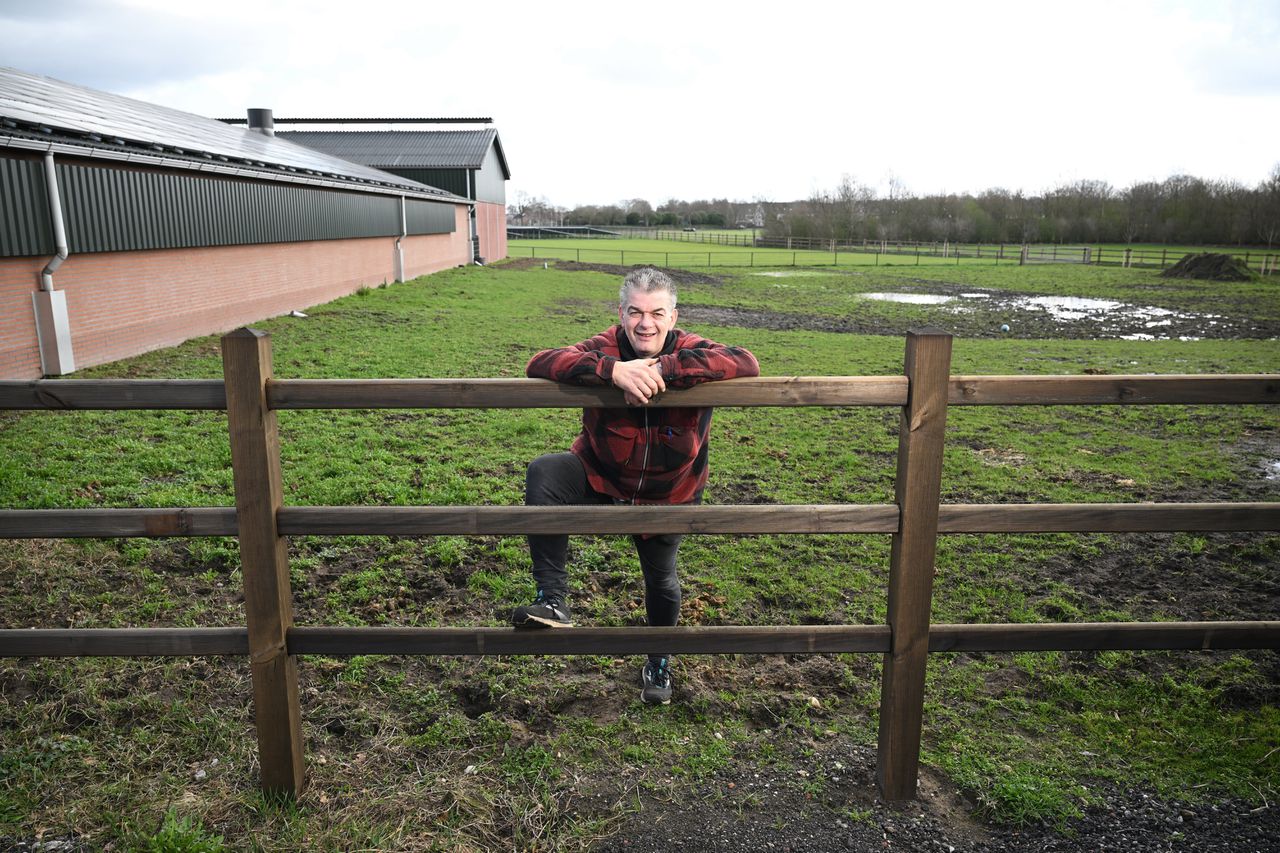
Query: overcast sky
[{"x": 599, "y": 102}]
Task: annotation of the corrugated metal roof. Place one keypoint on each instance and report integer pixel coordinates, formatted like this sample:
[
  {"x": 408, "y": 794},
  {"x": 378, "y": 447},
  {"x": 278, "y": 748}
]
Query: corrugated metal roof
[
  {"x": 405, "y": 149},
  {"x": 34, "y": 107}
]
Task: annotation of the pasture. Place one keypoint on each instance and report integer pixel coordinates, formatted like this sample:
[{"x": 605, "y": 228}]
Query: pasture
[
  {"x": 558, "y": 753},
  {"x": 712, "y": 248},
  {"x": 678, "y": 253}
]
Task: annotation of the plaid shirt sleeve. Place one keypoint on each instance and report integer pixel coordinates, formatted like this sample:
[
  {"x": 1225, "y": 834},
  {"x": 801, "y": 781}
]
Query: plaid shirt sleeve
[
  {"x": 587, "y": 363},
  {"x": 697, "y": 360}
]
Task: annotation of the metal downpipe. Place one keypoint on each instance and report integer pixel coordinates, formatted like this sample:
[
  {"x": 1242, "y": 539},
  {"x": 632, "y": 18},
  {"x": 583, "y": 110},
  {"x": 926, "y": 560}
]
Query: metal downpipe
[
  {"x": 59, "y": 229},
  {"x": 399, "y": 253},
  {"x": 53, "y": 324}
]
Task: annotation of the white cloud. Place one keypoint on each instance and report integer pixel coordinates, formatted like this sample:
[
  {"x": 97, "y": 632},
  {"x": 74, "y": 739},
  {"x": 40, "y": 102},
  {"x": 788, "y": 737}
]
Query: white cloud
[{"x": 600, "y": 102}]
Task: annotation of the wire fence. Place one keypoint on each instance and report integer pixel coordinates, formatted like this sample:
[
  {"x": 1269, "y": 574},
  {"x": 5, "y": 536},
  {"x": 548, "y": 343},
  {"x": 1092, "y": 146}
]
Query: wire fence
[
  {"x": 829, "y": 252},
  {"x": 765, "y": 258}
]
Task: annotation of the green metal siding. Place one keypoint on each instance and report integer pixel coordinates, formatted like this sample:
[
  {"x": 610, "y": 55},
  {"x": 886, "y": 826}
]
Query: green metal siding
[
  {"x": 429, "y": 217},
  {"x": 24, "y": 209},
  {"x": 449, "y": 180},
  {"x": 115, "y": 210}
]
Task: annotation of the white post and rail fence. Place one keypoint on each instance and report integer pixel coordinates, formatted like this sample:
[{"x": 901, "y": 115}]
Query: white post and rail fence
[{"x": 262, "y": 521}]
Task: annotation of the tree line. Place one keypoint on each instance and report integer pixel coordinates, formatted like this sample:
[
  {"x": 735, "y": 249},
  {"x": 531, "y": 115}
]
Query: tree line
[
  {"x": 1181, "y": 209},
  {"x": 635, "y": 212}
]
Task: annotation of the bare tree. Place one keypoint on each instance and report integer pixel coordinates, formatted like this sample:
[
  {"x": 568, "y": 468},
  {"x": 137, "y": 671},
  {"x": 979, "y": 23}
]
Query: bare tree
[{"x": 1268, "y": 215}]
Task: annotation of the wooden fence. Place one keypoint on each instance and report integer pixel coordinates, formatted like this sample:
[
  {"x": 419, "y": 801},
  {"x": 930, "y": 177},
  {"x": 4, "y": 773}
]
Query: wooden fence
[{"x": 260, "y": 519}]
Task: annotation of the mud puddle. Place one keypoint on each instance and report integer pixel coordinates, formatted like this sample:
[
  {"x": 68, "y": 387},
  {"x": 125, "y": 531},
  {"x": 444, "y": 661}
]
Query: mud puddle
[{"x": 1104, "y": 318}]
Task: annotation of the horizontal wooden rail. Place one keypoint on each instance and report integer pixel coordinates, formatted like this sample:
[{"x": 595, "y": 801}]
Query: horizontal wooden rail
[
  {"x": 807, "y": 639},
  {"x": 543, "y": 393},
  {"x": 719, "y": 519},
  {"x": 508, "y": 520},
  {"x": 1062, "y": 636},
  {"x": 1107, "y": 518},
  {"x": 108, "y": 523},
  {"x": 122, "y": 642},
  {"x": 114, "y": 394},
  {"x": 540, "y": 393},
  {"x": 1111, "y": 390},
  {"x": 756, "y": 639}
]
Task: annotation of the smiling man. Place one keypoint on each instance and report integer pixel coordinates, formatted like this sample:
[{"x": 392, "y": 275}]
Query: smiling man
[{"x": 635, "y": 455}]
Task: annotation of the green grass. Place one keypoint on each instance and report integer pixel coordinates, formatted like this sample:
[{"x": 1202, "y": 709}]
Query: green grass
[
  {"x": 693, "y": 255},
  {"x": 446, "y": 753}
]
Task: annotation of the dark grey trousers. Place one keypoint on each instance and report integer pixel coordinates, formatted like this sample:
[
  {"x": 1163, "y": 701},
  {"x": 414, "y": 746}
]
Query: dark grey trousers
[{"x": 558, "y": 479}]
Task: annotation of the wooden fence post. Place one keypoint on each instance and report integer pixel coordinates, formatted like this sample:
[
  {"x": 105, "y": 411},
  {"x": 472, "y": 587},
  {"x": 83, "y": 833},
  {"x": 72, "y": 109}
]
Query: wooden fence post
[
  {"x": 268, "y": 600},
  {"x": 918, "y": 486}
]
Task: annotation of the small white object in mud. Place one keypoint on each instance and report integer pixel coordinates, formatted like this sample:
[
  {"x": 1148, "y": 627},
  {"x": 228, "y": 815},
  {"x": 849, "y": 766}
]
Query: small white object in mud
[
  {"x": 296, "y": 314},
  {"x": 1004, "y": 327}
]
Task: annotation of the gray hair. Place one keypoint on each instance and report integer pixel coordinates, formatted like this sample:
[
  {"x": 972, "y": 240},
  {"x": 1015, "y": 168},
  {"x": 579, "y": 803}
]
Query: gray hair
[{"x": 647, "y": 280}]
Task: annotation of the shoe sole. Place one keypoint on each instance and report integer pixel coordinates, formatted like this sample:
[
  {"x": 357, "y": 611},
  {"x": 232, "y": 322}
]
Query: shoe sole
[
  {"x": 539, "y": 622},
  {"x": 648, "y": 701}
]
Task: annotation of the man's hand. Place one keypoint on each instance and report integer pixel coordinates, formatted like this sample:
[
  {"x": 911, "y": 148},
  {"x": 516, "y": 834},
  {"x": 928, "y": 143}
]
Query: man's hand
[{"x": 639, "y": 380}]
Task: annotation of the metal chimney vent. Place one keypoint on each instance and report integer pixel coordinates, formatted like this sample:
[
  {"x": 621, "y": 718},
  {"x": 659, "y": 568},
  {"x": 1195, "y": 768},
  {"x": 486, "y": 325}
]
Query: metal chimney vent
[{"x": 261, "y": 121}]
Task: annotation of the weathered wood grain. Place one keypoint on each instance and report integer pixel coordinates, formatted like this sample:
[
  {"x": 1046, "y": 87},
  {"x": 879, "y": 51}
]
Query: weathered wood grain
[
  {"x": 1104, "y": 635},
  {"x": 1106, "y": 390},
  {"x": 110, "y": 523},
  {"x": 113, "y": 394},
  {"x": 1107, "y": 518},
  {"x": 543, "y": 393},
  {"x": 512, "y": 520},
  {"x": 122, "y": 642},
  {"x": 918, "y": 485},
  {"x": 807, "y": 639},
  {"x": 268, "y": 600}
]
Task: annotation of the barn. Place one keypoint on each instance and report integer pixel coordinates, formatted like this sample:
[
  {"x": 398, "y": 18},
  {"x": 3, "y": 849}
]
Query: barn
[
  {"x": 469, "y": 163},
  {"x": 126, "y": 226}
]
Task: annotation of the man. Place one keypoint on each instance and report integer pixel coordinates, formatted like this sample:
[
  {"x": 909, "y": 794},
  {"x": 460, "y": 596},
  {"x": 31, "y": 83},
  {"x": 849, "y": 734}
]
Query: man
[{"x": 637, "y": 455}]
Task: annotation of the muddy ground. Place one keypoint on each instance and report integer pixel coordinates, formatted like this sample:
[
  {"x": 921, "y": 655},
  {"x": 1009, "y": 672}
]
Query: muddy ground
[{"x": 974, "y": 312}]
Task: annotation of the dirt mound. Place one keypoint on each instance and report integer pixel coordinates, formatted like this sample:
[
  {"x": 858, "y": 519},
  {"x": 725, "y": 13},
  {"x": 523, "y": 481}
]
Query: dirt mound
[
  {"x": 1211, "y": 266},
  {"x": 519, "y": 263}
]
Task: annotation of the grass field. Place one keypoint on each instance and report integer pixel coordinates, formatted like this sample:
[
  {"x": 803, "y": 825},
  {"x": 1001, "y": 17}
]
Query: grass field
[
  {"x": 555, "y": 753},
  {"x": 667, "y": 253}
]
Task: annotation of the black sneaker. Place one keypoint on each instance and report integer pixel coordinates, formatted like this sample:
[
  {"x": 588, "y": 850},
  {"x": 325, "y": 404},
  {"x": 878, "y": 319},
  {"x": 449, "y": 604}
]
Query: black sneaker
[
  {"x": 547, "y": 611},
  {"x": 656, "y": 678}
]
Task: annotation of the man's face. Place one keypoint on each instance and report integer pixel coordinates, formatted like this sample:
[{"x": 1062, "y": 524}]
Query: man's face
[{"x": 646, "y": 318}]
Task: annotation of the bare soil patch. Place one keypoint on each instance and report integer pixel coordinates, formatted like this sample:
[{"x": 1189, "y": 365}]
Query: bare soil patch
[
  {"x": 976, "y": 313},
  {"x": 987, "y": 318},
  {"x": 768, "y": 812}
]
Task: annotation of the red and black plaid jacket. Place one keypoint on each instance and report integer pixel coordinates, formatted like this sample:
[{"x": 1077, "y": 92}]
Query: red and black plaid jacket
[{"x": 640, "y": 454}]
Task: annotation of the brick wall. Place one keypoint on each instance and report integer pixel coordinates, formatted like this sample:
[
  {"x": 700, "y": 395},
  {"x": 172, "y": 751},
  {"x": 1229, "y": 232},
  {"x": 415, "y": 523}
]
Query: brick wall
[
  {"x": 491, "y": 225},
  {"x": 124, "y": 303}
]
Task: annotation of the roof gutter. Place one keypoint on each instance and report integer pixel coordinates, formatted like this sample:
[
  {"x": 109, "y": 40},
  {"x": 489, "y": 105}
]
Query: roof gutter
[
  {"x": 214, "y": 167},
  {"x": 53, "y": 326}
]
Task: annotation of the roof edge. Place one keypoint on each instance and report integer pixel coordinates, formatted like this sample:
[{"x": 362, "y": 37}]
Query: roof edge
[{"x": 217, "y": 168}]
